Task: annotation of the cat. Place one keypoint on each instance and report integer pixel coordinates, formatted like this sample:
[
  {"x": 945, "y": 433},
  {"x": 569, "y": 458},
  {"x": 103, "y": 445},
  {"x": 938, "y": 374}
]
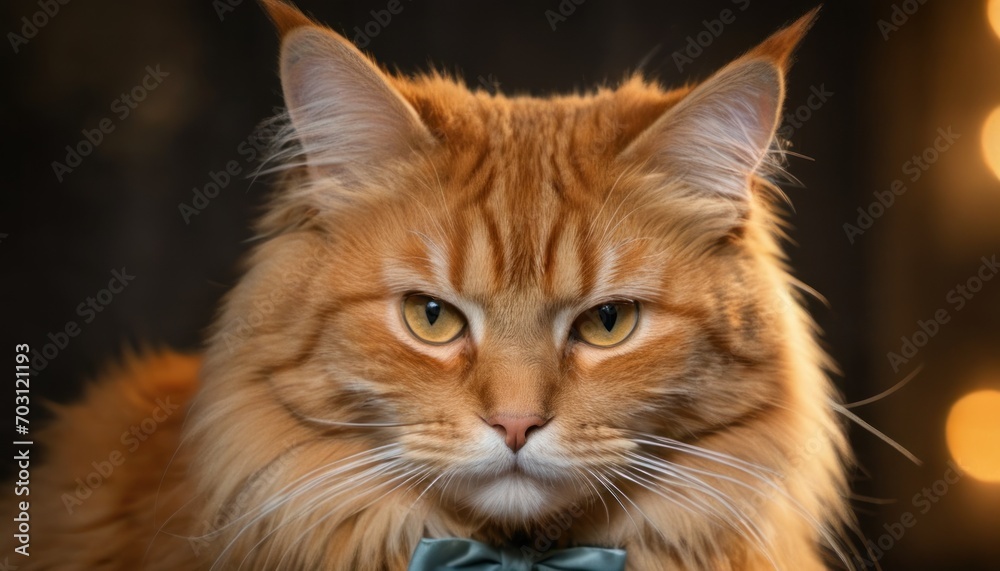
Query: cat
[{"x": 537, "y": 323}]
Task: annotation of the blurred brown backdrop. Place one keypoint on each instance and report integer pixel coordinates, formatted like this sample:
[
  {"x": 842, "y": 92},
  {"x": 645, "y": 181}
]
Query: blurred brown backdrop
[{"x": 875, "y": 85}]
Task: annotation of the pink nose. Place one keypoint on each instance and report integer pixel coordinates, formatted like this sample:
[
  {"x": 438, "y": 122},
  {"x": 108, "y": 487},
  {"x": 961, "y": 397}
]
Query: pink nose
[{"x": 515, "y": 429}]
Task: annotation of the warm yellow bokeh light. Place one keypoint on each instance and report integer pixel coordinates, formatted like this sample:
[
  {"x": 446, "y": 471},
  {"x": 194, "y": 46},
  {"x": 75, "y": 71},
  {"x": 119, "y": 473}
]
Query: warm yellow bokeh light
[
  {"x": 991, "y": 140},
  {"x": 993, "y": 13},
  {"x": 973, "y": 433}
]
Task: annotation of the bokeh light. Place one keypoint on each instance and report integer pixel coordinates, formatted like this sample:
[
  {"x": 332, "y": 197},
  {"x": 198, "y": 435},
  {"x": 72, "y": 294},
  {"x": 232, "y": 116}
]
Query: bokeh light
[
  {"x": 991, "y": 139},
  {"x": 973, "y": 433},
  {"x": 993, "y": 13}
]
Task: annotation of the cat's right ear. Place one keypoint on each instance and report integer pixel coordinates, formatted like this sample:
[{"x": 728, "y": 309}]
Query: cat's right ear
[{"x": 346, "y": 114}]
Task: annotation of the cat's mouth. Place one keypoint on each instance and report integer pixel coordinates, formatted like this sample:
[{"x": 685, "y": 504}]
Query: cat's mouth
[
  {"x": 519, "y": 467},
  {"x": 515, "y": 467},
  {"x": 511, "y": 494}
]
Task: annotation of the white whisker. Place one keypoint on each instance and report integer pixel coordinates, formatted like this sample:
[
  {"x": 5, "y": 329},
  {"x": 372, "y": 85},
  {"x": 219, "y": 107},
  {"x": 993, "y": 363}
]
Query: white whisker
[
  {"x": 404, "y": 477},
  {"x": 607, "y": 485},
  {"x": 678, "y": 472},
  {"x": 818, "y": 526},
  {"x": 878, "y": 433},
  {"x": 302, "y": 485},
  {"x": 317, "y": 502}
]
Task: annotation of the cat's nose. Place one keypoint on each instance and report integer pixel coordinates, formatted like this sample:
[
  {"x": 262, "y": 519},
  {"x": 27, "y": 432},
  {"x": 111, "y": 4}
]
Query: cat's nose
[{"x": 515, "y": 429}]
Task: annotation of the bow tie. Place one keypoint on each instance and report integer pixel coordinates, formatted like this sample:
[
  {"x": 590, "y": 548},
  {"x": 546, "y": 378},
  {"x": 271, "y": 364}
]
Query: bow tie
[{"x": 469, "y": 555}]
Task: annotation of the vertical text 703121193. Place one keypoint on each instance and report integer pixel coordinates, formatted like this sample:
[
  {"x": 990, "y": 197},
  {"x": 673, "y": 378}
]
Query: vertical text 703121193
[{"x": 22, "y": 447}]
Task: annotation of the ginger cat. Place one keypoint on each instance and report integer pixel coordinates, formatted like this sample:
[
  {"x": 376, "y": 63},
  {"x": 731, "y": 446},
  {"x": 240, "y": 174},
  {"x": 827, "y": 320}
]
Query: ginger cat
[{"x": 537, "y": 323}]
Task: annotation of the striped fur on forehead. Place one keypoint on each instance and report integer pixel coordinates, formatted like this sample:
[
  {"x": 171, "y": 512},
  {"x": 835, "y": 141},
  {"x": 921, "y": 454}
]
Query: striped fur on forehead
[{"x": 530, "y": 192}]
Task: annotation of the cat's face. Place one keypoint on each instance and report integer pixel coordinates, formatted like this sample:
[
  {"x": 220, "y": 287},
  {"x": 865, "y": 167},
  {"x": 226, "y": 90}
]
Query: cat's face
[
  {"x": 519, "y": 312},
  {"x": 526, "y": 303},
  {"x": 515, "y": 304}
]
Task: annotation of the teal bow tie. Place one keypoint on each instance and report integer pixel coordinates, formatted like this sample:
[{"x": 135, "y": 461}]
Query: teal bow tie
[{"x": 469, "y": 555}]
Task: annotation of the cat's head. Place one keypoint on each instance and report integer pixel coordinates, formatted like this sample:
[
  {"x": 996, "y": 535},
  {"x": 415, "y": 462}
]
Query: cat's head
[{"x": 502, "y": 305}]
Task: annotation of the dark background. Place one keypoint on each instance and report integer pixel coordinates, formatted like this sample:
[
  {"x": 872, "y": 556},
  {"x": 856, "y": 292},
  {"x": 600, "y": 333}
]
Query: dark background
[{"x": 60, "y": 241}]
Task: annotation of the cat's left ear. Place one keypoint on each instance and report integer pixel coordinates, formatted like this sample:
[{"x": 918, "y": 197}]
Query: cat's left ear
[
  {"x": 717, "y": 137},
  {"x": 347, "y": 115}
]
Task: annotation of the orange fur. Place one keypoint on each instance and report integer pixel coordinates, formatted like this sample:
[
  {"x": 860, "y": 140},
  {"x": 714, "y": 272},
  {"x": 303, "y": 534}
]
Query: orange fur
[
  {"x": 103, "y": 491},
  {"x": 326, "y": 435}
]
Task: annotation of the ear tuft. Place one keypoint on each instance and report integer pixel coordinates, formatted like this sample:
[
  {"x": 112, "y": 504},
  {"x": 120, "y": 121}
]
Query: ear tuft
[
  {"x": 285, "y": 16},
  {"x": 780, "y": 46}
]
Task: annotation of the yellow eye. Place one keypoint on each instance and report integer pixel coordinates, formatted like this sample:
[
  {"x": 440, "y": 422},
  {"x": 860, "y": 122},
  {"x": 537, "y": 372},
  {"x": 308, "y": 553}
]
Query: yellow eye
[
  {"x": 432, "y": 320},
  {"x": 607, "y": 324}
]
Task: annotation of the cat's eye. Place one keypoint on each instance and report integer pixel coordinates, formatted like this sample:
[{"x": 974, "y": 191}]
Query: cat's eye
[
  {"x": 607, "y": 324},
  {"x": 432, "y": 320}
]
